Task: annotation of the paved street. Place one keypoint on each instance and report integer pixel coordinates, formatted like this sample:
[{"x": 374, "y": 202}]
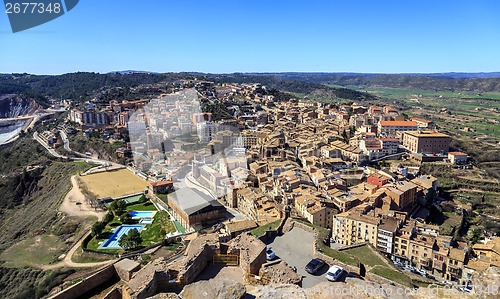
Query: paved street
[{"x": 296, "y": 249}]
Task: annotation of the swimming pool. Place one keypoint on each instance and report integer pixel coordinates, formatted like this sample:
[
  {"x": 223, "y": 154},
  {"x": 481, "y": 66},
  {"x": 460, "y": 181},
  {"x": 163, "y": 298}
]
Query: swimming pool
[
  {"x": 142, "y": 214},
  {"x": 112, "y": 242}
]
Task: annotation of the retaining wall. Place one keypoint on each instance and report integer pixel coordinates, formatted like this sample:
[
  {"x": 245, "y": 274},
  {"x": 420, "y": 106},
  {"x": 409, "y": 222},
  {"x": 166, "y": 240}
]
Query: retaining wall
[{"x": 87, "y": 284}]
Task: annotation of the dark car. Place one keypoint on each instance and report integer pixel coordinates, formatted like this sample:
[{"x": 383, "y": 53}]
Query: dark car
[{"x": 314, "y": 265}]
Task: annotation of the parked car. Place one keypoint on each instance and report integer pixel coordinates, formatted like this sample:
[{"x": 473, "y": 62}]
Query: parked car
[
  {"x": 314, "y": 265},
  {"x": 422, "y": 272},
  {"x": 334, "y": 273},
  {"x": 270, "y": 255},
  {"x": 466, "y": 289},
  {"x": 410, "y": 268}
]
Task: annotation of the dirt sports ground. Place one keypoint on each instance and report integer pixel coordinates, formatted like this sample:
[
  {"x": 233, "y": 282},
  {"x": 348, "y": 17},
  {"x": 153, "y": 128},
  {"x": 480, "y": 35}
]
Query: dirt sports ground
[{"x": 114, "y": 183}]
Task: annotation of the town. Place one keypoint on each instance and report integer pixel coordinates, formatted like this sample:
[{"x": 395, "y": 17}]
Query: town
[{"x": 234, "y": 158}]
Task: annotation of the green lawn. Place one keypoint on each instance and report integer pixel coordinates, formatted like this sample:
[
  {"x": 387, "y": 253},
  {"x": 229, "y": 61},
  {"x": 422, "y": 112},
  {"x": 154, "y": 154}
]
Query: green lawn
[
  {"x": 365, "y": 255},
  {"x": 259, "y": 231},
  {"x": 152, "y": 234},
  {"x": 148, "y": 206},
  {"x": 392, "y": 275}
]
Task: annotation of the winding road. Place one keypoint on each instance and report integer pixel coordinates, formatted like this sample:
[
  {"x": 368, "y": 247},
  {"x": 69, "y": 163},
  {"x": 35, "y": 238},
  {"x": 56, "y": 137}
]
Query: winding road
[{"x": 70, "y": 206}]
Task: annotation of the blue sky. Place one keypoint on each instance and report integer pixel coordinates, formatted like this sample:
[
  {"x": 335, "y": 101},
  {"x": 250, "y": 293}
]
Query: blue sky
[{"x": 260, "y": 36}]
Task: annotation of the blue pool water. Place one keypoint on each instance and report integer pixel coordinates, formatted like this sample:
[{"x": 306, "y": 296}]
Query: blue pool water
[
  {"x": 112, "y": 243},
  {"x": 142, "y": 214}
]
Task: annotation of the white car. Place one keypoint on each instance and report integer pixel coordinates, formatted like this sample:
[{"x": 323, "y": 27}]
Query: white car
[
  {"x": 270, "y": 255},
  {"x": 334, "y": 273},
  {"x": 422, "y": 272}
]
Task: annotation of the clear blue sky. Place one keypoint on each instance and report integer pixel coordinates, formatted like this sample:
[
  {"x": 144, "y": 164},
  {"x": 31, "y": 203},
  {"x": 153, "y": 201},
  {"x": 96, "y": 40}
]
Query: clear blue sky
[{"x": 260, "y": 36}]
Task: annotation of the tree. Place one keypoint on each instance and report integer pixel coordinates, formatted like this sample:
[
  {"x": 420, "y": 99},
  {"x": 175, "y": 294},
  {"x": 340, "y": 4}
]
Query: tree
[
  {"x": 130, "y": 240},
  {"x": 118, "y": 207},
  {"x": 126, "y": 218},
  {"x": 108, "y": 218},
  {"x": 97, "y": 228},
  {"x": 165, "y": 222}
]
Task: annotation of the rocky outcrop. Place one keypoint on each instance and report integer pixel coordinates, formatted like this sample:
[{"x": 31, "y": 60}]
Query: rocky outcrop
[
  {"x": 214, "y": 288},
  {"x": 13, "y": 106},
  {"x": 280, "y": 272}
]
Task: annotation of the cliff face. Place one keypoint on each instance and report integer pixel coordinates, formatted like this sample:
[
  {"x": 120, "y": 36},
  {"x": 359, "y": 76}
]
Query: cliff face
[{"x": 15, "y": 106}]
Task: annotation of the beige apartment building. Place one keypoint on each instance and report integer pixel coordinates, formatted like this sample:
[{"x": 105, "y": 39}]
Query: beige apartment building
[
  {"x": 352, "y": 227},
  {"x": 403, "y": 194},
  {"x": 420, "y": 251},
  {"x": 429, "y": 142},
  {"x": 390, "y": 127}
]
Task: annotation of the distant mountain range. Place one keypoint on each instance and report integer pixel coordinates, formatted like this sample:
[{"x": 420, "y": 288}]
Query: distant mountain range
[
  {"x": 480, "y": 82},
  {"x": 131, "y": 71},
  {"x": 449, "y": 75}
]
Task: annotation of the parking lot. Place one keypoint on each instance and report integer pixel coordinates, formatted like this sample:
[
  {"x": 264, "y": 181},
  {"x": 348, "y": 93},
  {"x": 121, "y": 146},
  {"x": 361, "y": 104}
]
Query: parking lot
[{"x": 296, "y": 249}]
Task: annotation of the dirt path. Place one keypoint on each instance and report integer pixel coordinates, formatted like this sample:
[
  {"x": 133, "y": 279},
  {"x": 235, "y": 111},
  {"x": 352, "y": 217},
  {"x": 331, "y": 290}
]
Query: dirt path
[
  {"x": 67, "y": 262},
  {"x": 82, "y": 210},
  {"x": 70, "y": 207}
]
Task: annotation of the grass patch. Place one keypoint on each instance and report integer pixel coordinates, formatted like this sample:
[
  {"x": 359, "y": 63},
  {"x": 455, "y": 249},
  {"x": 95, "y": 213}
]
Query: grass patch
[
  {"x": 365, "y": 255},
  {"x": 338, "y": 255},
  {"x": 147, "y": 206},
  {"x": 173, "y": 246},
  {"x": 392, "y": 275},
  {"x": 83, "y": 257},
  {"x": 42, "y": 249},
  {"x": 153, "y": 232},
  {"x": 259, "y": 231}
]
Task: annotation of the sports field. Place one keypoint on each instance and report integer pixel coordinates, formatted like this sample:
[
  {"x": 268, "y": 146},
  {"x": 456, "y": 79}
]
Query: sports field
[{"x": 114, "y": 183}]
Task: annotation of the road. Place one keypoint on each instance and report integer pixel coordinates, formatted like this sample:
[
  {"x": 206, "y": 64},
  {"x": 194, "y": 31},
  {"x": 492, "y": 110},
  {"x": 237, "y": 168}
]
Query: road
[
  {"x": 47, "y": 147},
  {"x": 85, "y": 158}
]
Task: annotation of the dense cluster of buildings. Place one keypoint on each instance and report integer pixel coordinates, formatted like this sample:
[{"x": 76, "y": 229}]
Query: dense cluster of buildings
[{"x": 300, "y": 157}]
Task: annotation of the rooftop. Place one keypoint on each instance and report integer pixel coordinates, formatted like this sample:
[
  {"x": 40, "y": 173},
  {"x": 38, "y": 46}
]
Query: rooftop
[{"x": 423, "y": 134}]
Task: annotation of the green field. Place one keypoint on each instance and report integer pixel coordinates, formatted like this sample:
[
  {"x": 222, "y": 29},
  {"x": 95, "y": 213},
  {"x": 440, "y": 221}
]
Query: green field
[
  {"x": 456, "y": 101},
  {"x": 391, "y": 275}
]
